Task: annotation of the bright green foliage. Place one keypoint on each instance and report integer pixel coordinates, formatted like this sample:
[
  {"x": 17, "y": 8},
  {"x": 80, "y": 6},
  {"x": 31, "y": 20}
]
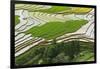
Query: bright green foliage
[
  {"x": 55, "y": 9},
  {"x": 17, "y": 19},
  {"x": 55, "y": 29}
]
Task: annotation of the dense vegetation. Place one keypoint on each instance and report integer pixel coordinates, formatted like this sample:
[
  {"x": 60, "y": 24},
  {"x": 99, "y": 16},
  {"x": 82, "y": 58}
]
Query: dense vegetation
[
  {"x": 73, "y": 51},
  {"x": 55, "y": 29}
]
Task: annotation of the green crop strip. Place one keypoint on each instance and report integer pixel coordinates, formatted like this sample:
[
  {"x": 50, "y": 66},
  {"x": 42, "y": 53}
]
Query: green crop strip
[
  {"x": 55, "y": 29},
  {"x": 17, "y": 20},
  {"x": 55, "y": 9}
]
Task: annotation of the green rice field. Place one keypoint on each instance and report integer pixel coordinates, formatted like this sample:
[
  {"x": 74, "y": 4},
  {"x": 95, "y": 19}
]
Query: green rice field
[{"x": 55, "y": 29}]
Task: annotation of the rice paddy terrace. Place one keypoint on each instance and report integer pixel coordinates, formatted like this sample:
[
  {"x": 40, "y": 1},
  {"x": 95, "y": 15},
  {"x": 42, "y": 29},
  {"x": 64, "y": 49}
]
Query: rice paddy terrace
[{"x": 53, "y": 34}]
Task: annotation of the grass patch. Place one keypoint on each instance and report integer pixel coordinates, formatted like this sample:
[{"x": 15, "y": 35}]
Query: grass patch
[
  {"x": 17, "y": 19},
  {"x": 66, "y": 10},
  {"x": 55, "y": 9},
  {"x": 55, "y": 29}
]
